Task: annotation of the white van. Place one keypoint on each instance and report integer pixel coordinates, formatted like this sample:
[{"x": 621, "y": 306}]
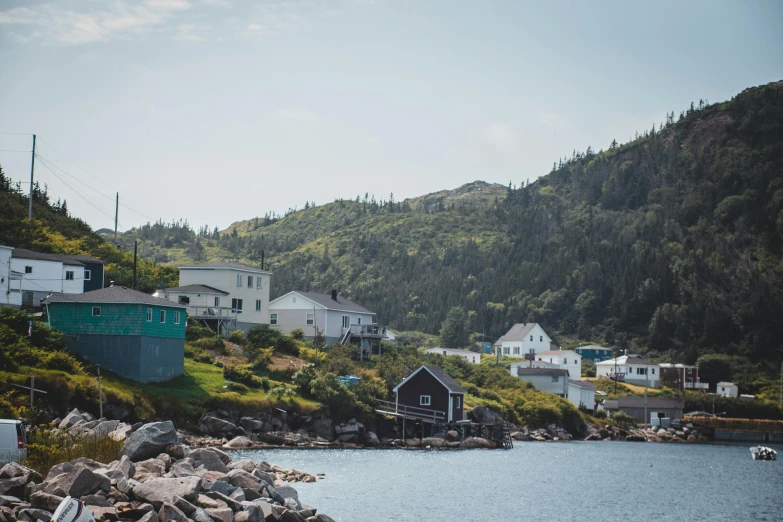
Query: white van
[{"x": 13, "y": 441}]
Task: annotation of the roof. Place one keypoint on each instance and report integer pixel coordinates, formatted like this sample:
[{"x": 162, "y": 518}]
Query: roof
[
  {"x": 652, "y": 402},
  {"x": 593, "y": 347},
  {"x": 581, "y": 384},
  {"x": 611, "y": 404},
  {"x": 342, "y": 304},
  {"x": 724, "y": 383},
  {"x": 516, "y": 332},
  {"x": 554, "y": 372},
  {"x": 452, "y": 351},
  {"x": 440, "y": 374},
  {"x": 195, "y": 289},
  {"x": 678, "y": 365},
  {"x": 70, "y": 259},
  {"x": 556, "y": 352},
  {"x": 234, "y": 266},
  {"x": 634, "y": 359},
  {"x": 112, "y": 294}
]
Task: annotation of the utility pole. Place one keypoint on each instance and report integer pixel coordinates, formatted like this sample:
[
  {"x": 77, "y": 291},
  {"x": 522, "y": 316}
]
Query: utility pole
[
  {"x": 32, "y": 171},
  {"x": 615, "y": 374},
  {"x": 100, "y": 393},
  {"x": 780, "y": 396},
  {"x": 116, "y": 212},
  {"x": 646, "y": 370},
  {"x": 32, "y": 395},
  {"x": 135, "y": 250}
]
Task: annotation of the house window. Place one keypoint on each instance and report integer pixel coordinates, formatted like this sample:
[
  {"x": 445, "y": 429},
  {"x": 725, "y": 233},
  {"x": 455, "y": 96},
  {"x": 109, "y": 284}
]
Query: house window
[
  {"x": 555, "y": 378},
  {"x": 163, "y": 316},
  {"x": 28, "y": 270},
  {"x": 239, "y": 280},
  {"x": 358, "y": 320},
  {"x": 258, "y": 282},
  {"x": 183, "y": 300},
  {"x": 516, "y": 350},
  {"x": 690, "y": 371},
  {"x": 149, "y": 315},
  {"x": 541, "y": 339},
  {"x": 176, "y": 317},
  {"x": 69, "y": 275},
  {"x": 217, "y": 301},
  {"x": 96, "y": 311},
  {"x": 531, "y": 337},
  {"x": 505, "y": 350},
  {"x": 346, "y": 321},
  {"x": 250, "y": 281},
  {"x": 88, "y": 275},
  {"x": 457, "y": 401},
  {"x": 272, "y": 318},
  {"x": 258, "y": 305},
  {"x": 425, "y": 400},
  {"x": 444, "y": 352},
  {"x": 310, "y": 318},
  {"x": 630, "y": 369},
  {"x": 653, "y": 371},
  {"x": 236, "y": 306}
]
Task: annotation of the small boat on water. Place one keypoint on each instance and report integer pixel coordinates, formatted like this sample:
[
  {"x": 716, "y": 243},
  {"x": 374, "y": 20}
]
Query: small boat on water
[{"x": 763, "y": 453}]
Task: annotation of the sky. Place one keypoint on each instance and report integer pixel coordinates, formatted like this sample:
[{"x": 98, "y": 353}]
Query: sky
[{"x": 214, "y": 111}]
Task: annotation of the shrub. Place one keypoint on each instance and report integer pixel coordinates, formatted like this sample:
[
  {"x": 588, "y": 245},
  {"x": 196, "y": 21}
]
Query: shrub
[
  {"x": 48, "y": 447},
  {"x": 265, "y": 384},
  {"x": 312, "y": 355},
  {"x": 281, "y": 392},
  {"x": 237, "y": 337},
  {"x": 599, "y": 414},
  {"x": 622, "y": 418},
  {"x": 241, "y": 373},
  {"x": 263, "y": 336},
  {"x": 304, "y": 377},
  {"x": 197, "y": 331},
  {"x": 215, "y": 342},
  {"x": 296, "y": 334}
]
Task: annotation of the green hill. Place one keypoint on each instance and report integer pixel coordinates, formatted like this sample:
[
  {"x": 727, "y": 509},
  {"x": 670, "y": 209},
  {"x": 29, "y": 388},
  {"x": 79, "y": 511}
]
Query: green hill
[{"x": 669, "y": 244}]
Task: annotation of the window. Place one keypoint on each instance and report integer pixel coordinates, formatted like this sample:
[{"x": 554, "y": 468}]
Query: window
[
  {"x": 163, "y": 316},
  {"x": 653, "y": 371},
  {"x": 516, "y": 350},
  {"x": 88, "y": 275},
  {"x": 531, "y": 337},
  {"x": 505, "y": 350},
  {"x": 272, "y": 318},
  {"x": 239, "y": 280},
  {"x": 690, "y": 371},
  {"x": 346, "y": 321},
  {"x": 310, "y": 318},
  {"x": 250, "y": 281},
  {"x": 217, "y": 301},
  {"x": 425, "y": 400},
  {"x": 149, "y": 314},
  {"x": 69, "y": 275},
  {"x": 176, "y": 317},
  {"x": 555, "y": 378},
  {"x": 358, "y": 320},
  {"x": 641, "y": 371},
  {"x": 258, "y": 305},
  {"x": 236, "y": 306},
  {"x": 541, "y": 339},
  {"x": 96, "y": 311},
  {"x": 457, "y": 401},
  {"x": 630, "y": 369},
  {"x": 28, "y": 270},
  {"x": 258, "y": 282},
  {"x": 183, "y": 300}
]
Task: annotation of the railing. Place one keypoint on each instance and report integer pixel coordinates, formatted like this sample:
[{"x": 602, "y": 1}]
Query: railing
[
  {"x": 367, "y": 329},
  {"x": 619, "y": 376},
  {"x": 696, "y": 385},
  {"x": 424, "y": 414},
  {"x": 212, "y": 312}
]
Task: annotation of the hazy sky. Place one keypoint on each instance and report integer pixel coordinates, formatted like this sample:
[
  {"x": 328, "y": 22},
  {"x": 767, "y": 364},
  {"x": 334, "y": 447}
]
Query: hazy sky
[{"x": 221, "y": 110}]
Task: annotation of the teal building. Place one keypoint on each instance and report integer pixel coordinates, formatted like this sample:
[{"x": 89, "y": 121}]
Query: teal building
[
  {"x": 594, "y": 353},
  {"x": 133, "y": 334}
]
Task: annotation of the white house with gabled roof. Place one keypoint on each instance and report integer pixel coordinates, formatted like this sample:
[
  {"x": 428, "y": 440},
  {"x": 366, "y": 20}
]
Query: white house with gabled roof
[
  {"x": 567, "y": 359},
  {"x": 471, "y": 357},
  {"x": 521, "y": 338},
  {"x": 631, "y": 368}
]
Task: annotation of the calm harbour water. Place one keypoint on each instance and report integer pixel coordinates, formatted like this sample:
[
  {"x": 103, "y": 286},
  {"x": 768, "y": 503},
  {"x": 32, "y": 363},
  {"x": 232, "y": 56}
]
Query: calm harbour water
[{"x": 574, "y": 481}]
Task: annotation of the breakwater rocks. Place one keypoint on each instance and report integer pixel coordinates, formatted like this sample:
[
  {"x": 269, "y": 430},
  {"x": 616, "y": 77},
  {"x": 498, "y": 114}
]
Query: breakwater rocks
[
  {"x": 159, "y": 479},
  {"x": 645, "y": 434}
]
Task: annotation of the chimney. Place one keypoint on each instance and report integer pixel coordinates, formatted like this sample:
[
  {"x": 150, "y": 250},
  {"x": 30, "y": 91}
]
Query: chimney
[
  {"x": 334, "y": 295},
  {"x": 262, "y": 260}
]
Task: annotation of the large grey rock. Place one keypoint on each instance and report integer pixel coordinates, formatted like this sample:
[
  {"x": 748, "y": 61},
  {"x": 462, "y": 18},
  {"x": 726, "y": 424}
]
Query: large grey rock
[
  {"x": 71, "y": 419},
  {"x": 214, "y": 426},
  {"x": 78, "y": 483},
  {"x": 127, "y": 467},
  {"x": 201, "y": 515},
  {"x": 103, "y": 428},
  {"x": 183, "y": 468},
  {"x": 245, "y": 464},
  {"x": 250, "y": 424},
  {"x": 485, "y": 415},
  {"x": 476, "y": 442},
  {"x": 14, "y": 469},
  {"x": 178, "y": 451},
  {"x": 320, "y": 518},
  {"x": 184, "y": 506},
  {"x": 371, "y": 439},
  {"x": 242, "y": 479},
  {"x": 59, "y": 469},
  {"x": 208, "y": 458},
  {"x": 238, "y": 443},
  {"x": 220, "y": 514},
  {"x": 13, "y": 486},
  {"x": 168, "y": 512},
  {"x": 287, "y": 492},
  {"x": 150, "y": 440},
  {"x": 222, "y": 487},
  {"x": 432, "y": 442},
  {"x": 41, "y": 500},
  {"x": 156, "y": 491},
  {"x": 33, "y": 515},
  {"x": 151, "y": 516}
]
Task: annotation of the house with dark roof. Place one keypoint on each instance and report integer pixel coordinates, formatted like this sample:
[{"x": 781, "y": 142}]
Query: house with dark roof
[
  {"x": 43, "y": 274},
  {"x": 431, "y": 394},
  {"x": 135, "y": 335},
  {"x": 224, "y": 296},
  {"x": 655, "y": 407},
  {"x": 521, "y": 339},
  {"x": 336, "y": 318},
  {"x": 552, "y": 380},
  {"x": 631, "y": 368}
]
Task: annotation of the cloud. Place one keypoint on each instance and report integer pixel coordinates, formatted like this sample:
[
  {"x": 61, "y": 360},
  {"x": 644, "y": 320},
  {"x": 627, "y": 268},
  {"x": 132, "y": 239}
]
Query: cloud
[
  {"x": 51, "y": 23},
  {"x": 553, "y": 120},
  {"x": 218, "y": 3},
  {"x": 272, "y": 16},
  {"x": 300, "y": 115},
  {"x": 189, "y": 32},
  {"x": 500, "y": 136}
]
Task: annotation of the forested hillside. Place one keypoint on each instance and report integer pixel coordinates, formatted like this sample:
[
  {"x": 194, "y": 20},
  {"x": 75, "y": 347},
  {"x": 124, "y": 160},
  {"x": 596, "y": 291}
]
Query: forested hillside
[
  {"x": 669, "y": 243},
  {"x": 54, "y": 230}
]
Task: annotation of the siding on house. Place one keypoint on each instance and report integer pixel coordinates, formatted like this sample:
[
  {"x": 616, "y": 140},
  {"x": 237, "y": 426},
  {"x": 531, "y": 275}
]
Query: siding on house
[{"x": 77, "y": 318}]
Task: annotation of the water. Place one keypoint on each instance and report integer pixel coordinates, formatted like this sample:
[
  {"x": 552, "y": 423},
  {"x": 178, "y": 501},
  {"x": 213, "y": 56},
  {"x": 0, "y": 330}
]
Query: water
[{"x": 575, "y": 481}]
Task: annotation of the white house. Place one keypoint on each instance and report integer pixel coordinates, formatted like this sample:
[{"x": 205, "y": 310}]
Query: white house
[
  {"x": 581, "y": 393},
  {"x": 633, "y": 369},
  {"x": 567, "y": 359},
  {"x": 530, "y": 364},
  {"x": 224, "y": 295},
  {"x": 10, "y": 281},
  {"x": 552, "y": 380},
  {"x": 521, "y": 338},
  {"x": 332, "y": 316},
  {"x": 726, "y": 389},
  {"x": 43, "y": 274},
  {"x": 471, "y": 357}
]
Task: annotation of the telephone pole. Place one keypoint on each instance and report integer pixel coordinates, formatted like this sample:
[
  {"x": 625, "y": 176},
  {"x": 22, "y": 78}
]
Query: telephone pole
[
  {"x": 32, "y": 171},
  {"x": 116, "y": 212},
  {"x": 135, "y": 250}
]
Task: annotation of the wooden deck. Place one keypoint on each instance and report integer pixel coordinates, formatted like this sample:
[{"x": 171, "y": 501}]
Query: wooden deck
[{"x": 410, "y": 412}]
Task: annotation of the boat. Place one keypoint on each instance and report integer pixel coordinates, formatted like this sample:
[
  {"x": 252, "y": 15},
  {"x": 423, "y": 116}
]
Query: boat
[{"x": 763, "y": 453}]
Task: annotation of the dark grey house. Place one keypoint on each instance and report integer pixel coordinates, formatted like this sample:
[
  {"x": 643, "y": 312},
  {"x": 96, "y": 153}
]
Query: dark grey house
[
  {"x": 657, "y": 407},
  {"x": 431, "y": 389}
]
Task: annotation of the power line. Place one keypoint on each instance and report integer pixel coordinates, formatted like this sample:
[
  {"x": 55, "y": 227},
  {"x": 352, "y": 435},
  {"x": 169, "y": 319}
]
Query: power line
[
  {"x": 15, "y": 150},
  {"x": 89, "y": 202},
  {"x": 17, "y": 133},
  {"x": 74, "y": 163}
]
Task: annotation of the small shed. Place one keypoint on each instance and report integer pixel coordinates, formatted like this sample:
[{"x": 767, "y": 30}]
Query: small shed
[
  {"x": 726, "y": 389},
  {"x": 657, "y": 407},
  {"x": 431, "y": 390},
  {"x": 581, "y": 394},
  {"x": 552, "y": 380},
  {"x": 133, "y": 334}
]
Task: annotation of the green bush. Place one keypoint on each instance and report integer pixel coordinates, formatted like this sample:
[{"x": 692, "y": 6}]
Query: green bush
[
  {"x": 296, "y": 334},
  {"x": 265, "y": 384},
  {"x": 215, "y": 342},
  {"x": 237, "y": 337},
  {"x": 304, "y": 377},
  {"x": 241, "y": 373},
  {"x": 263, "y": 336},
  {"x": 197, "y": 331}
]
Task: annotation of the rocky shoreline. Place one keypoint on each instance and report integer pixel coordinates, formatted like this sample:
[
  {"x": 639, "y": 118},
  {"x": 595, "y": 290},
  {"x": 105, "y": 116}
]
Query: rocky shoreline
[{"x": 158, "y": 479}]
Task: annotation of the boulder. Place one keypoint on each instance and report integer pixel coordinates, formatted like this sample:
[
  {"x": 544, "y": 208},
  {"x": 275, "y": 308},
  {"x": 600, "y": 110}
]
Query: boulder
[
  {"x": 168, "y": 512},
  {"x": 177, "y": 451},
  {"x": 476, "y": 442},
  {"x": 71, "y": 419},
  {"x": 238, "y": 442},
  {"x": 371, "y": 439},
  {"x": 242, "y": 479},
  {"x": 41, "y": 500},
  {"x": 215, "y": 426},
  {"x": 150, "y": 440},
  {"x": 220, "y": 514},
  {"x": 200, "y": 515},
  {"x": 77, "y": 483},
  {"x": 121, "y": 433},
  {"x": 33, "y": 515},
  {"x": 14, "y": 469},
  {"x": 150, "y": 516},
  {"x": 484, "y": 415},
  {"x": 250, "y": 424},
  {"x": 95, "y": 500},
  {"x": 245, "y": 464},
  {"x": 126, "y": 466},
  {"x": 156, "y": 491},
  {"x": 320, "y": 518},
  {"x": 593, "y": 436},
  {"x": 104, "y": 514},
  {"x": 209, "y": 458},
  {"x": 103, "y": 428},
  {"x": 432, "y": 442},
  {"x": 149, "y": 468}
]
